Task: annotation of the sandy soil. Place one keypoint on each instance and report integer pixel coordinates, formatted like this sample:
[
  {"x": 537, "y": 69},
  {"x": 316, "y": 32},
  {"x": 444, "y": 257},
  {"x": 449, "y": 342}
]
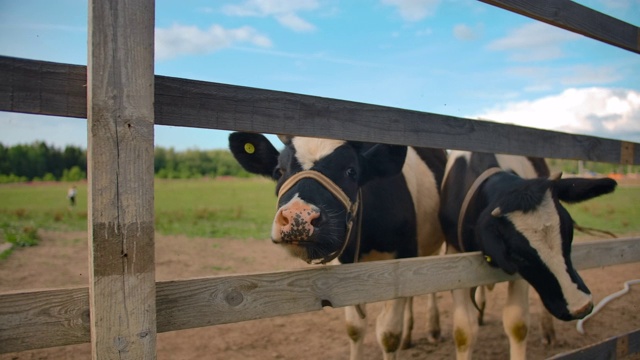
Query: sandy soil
[{"x": 60, "y": 260}]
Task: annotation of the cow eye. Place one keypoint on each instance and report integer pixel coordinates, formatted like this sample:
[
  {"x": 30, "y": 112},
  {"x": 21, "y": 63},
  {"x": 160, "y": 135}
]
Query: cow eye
[{"x": 351, "y": 172}]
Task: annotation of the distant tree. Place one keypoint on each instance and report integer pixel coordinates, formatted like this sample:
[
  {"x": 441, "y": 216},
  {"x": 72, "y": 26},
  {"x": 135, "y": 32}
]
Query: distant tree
[
  {"x": 41, "y": 162},
  {"x": 5, "y": 167},
  {"x": 190, "y": 164},
  {"x": 73, "y": 174},
  {"x": 38, "y": 161}
]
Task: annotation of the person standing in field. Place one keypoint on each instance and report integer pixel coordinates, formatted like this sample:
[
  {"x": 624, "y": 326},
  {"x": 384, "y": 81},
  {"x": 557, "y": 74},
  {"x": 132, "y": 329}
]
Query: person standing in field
[{"x": 71, "y": 195}]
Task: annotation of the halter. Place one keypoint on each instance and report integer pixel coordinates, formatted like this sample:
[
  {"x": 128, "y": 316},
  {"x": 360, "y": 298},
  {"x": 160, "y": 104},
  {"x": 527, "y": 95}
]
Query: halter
[
  {"x": 471, "y": 193},
  {"x": 350, "y": 207},
  {"x": 469, "y": 196}
]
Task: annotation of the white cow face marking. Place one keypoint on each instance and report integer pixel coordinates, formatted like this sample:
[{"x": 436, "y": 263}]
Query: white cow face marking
[
  {"x": 310, "y": 150},
  {"x": 541, "y": 228}
]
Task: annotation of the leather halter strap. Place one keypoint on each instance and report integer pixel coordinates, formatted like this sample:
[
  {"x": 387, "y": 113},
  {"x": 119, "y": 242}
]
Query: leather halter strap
[
  {"x": 469, "y": 196},
  {"x": 350, "y": 207}
]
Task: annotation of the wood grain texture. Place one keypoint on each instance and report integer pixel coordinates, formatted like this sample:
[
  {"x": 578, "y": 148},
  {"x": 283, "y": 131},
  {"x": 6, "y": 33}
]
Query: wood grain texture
[
  {"x": 39, "y": 319},
  {"x": 191, "y": 303},
  {"x": 39, "y": 87},
  {"x": 623, "y": 347},
  {"x": 120, "y": 163},
  {"x": 577, "y": 18},
  {"x": 190, "y": 103}
]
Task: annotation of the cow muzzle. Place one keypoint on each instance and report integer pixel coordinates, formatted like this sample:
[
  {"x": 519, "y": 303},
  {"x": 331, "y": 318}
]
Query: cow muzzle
[
  {"x": 294, "y": 223},
  {"x": 583, "y": 311}
]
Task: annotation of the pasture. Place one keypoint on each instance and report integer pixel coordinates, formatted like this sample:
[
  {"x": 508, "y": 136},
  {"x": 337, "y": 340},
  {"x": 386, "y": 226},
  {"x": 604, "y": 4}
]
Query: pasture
[
  {"x": 211, "y": 227},
  {"x": 240, "y": 208},
  {"x": 227, "y": 207},
  {"x": 59, "y": 261}
]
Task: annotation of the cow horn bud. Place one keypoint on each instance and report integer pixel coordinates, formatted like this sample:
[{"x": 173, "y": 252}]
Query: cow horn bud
[
  {"x": 555, "y": 176},
  {"x": 496, "y": 212},
  {"x": 286, "y": 139}
]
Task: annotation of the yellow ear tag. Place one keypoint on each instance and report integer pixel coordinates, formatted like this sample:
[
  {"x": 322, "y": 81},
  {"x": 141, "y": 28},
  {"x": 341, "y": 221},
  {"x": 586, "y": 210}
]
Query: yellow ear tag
[
  {"x": 488, "y": 258},
  {"x": 249, "y": 148}
]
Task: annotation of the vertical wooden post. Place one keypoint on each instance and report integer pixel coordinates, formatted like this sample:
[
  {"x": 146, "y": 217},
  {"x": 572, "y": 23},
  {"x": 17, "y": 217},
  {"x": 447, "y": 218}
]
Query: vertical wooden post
[{"x": 120, "y": 149}]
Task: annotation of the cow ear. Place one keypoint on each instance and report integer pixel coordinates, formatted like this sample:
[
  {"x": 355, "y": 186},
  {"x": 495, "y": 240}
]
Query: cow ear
[
  {"x": 254, "y": 152},
  {"x": 573, "y": 190},
  {"x": 493, "y": 245},
  {"x": 382, "y": 160}
]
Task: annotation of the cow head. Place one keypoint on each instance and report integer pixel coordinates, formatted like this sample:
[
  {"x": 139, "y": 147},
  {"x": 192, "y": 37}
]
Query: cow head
[
  {"x": 313, "y": 213},
  {"x": 527, "y": 230}
]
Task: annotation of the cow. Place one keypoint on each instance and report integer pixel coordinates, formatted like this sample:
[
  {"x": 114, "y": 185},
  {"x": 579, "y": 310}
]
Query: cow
[
  {"x": 354, "y": 201},
  {"x": 528, "y": 168},
  {"x": 495, "y": 204}
]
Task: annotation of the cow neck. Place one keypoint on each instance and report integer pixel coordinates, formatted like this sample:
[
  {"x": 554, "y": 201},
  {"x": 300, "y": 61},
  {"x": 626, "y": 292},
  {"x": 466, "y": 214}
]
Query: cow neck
[
  {"x": 350, "y": 207},
  {"x": 471, "y": 193}
]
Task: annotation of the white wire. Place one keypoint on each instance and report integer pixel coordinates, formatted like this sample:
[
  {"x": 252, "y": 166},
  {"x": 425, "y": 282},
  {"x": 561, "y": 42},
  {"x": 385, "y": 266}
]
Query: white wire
[{"x": 604, "y": 302}]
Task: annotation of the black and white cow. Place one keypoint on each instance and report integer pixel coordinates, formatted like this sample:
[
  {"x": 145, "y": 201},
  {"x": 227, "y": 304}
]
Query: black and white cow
[
  {"x": 495, "y": 204},
  {"x": 324, "y": 186}
]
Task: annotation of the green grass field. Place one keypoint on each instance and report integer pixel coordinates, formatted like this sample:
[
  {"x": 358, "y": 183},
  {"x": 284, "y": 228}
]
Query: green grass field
[{"x": 239, "y": 208}]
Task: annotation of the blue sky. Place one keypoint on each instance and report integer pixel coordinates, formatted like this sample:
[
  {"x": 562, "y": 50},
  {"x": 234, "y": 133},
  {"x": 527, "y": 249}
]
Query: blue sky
[{"x": 455, "y": 57}]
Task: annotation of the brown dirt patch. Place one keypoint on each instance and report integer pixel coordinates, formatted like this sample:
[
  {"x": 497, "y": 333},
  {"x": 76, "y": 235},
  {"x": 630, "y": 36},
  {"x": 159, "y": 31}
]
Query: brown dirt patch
[{"x": 61, "y": 260}]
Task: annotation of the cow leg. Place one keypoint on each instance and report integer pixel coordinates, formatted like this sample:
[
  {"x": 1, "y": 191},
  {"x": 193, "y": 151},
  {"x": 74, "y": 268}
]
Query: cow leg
[
  {"x": 433, "y": 314},
  {"x": 515, "y": 318},
  {"x": 389, "y": 326},
  {"x": 465, "y": 323},
  {"x": 546, "y": 325},
  {"x": 356, "y": 329},
  {"x": 408, "y": 324},
  {"x": 433, "y": 319}
]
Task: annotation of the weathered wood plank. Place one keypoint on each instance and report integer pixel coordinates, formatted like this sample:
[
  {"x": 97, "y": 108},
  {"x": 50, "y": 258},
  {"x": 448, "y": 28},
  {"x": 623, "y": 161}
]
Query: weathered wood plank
[
  {"x": 122, "y": 291},
  {"x": 39, "y": 319},
  {"x": 227, "y": 107},
  {"x": 40, "y": 87},
  {"x": 29, "y": 320},
  {"x": 623, "y": 347},
  {"x": 577, "y": 18},
  {"x": 182, "y": 102}
]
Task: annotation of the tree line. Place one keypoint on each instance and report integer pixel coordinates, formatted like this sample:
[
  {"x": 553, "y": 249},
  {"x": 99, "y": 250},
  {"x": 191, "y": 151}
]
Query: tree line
[{"x": 41, "y": 162}]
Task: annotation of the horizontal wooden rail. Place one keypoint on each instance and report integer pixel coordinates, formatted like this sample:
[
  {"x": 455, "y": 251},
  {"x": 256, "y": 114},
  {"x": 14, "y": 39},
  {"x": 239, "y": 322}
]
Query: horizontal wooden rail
[
  {"x": 577, "y": 18},
  {"x": 622, "y": 347},
  {"x": 47, "y": 88},
  {"x": 38, "y": 319}
]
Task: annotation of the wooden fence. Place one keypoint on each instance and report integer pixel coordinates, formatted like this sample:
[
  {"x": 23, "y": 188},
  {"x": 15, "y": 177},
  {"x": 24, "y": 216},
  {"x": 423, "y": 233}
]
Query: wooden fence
[{"x": 123, "y": 308}]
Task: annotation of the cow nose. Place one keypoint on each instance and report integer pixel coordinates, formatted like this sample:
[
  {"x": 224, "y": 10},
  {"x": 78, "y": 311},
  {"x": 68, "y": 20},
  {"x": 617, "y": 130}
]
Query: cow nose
[
  {"x": 296, "y": 221},
  {"x": 583, "y": 311}
]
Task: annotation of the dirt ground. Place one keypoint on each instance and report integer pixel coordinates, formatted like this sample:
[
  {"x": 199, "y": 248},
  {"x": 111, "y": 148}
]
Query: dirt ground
[{"x": 61, "y": 260}]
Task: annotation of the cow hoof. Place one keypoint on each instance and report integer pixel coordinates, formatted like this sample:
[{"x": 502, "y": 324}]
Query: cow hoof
[
  {"x": 406, "y": 344},
  {"x": 551, "y": 340},
  {"x": 433, "y": 337}
]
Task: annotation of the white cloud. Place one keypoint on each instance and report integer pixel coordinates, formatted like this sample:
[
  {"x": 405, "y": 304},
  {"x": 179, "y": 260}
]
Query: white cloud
[
  {"x": 534, "y": 42},
  {"x": 183, "y": 40},
  {"x": 466, "y": 32},
  {"x": 546, "y": 78},
  {"x": 284, "y": 11},
  {"x": 294, "y": 22},
  {"x": 589, "y": 74},
  {"x": 612, "y": 113},
  {"x": 414, "y": 10}
]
